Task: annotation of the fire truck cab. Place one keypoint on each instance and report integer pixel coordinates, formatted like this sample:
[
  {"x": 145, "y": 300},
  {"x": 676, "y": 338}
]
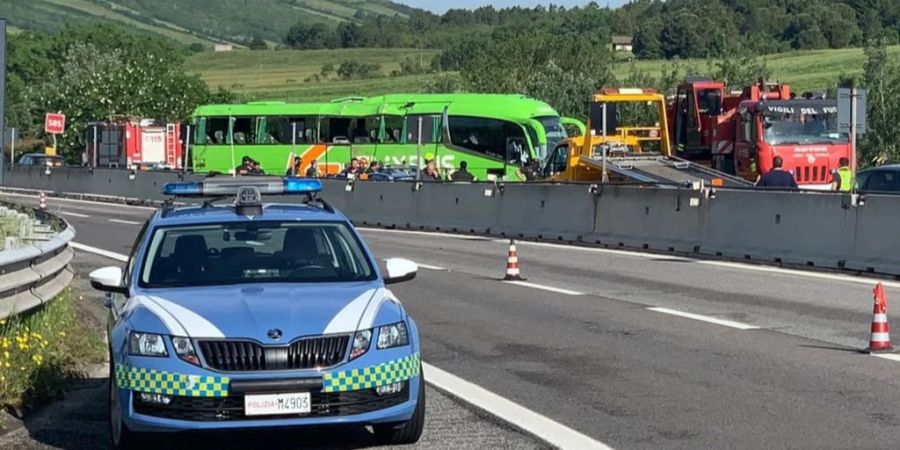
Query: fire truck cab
[{"x": 742, "y": 132}]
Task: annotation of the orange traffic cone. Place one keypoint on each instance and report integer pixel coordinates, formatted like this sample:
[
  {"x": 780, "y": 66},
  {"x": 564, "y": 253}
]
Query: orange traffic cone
[
  {"x": 42, "y": 201},
  {"x": 512, "y": 264},
  {"x": 881, "y": 337}
]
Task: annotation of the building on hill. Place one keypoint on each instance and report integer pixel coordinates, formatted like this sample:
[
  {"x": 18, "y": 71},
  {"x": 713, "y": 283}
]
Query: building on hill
[
  {"x": 621, "y": 43},
  {"x": 223, "y": 47}
]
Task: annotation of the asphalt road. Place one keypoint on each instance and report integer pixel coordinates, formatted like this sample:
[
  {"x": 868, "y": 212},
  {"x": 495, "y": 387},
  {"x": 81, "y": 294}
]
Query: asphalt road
[{"x": 604, "y": 364}]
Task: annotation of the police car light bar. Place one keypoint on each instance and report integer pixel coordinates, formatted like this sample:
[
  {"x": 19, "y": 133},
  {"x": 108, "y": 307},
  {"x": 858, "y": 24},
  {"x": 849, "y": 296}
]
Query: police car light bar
[{"x": 231, "y": 186}]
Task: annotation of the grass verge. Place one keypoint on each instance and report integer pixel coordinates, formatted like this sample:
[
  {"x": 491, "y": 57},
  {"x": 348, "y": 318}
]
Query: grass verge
[{"x": 41, "y": 350}]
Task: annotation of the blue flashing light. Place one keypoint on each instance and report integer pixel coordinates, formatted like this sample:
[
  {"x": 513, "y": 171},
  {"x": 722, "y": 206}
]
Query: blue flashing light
[
  {"x": 186, "y": 188},
  {"x": 301, "y": 185},
  {"x": 231, "y": 186}
]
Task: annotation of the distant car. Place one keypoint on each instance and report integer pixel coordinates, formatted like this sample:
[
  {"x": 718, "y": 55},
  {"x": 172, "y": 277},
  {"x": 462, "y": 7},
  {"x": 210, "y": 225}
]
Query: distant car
[
  {"x": 40, "y": 159},
  {"x": 252, "y": 316},
  {"x": 394, "y": 173},
  {"x": 882, "y": 179}
]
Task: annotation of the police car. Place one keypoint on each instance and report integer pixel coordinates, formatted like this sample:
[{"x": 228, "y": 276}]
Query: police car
[{"x": 251, "y": 315}]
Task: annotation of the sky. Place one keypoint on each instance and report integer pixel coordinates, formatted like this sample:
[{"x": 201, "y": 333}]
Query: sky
[{"x": 442, "y": 6}]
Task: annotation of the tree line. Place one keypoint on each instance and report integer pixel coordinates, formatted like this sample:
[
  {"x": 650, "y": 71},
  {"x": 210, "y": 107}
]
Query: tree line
[
  {"x": 93, "y": 72},
  {"x": 661, "y": 29}
]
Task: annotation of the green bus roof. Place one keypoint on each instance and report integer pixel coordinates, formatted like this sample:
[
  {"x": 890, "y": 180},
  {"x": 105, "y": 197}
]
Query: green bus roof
[{"x": 498, "y": 106}]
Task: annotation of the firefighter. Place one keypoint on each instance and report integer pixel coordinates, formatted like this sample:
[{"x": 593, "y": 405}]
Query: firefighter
[{"x": 842, "y": 179}]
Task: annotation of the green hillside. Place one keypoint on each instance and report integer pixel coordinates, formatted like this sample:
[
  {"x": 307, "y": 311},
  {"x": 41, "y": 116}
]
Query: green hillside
[
  {"x": 281, "y": 75},
  {"x": 194, "y": 21}
]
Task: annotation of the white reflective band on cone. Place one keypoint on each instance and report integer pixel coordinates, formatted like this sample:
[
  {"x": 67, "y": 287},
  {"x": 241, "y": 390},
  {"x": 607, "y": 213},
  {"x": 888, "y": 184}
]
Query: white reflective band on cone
[
  {"x": 880, "y": 318},
  {"x": 881, "y": 337}
]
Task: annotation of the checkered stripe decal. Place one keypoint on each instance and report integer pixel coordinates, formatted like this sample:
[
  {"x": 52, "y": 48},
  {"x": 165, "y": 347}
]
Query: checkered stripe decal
[
  {"x": 368, "y": 377},
  {"x": 167, "y": 383}
]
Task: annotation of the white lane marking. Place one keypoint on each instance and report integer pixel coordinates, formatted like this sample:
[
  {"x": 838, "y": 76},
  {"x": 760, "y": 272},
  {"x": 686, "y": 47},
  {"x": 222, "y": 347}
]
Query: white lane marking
[
  {"x": 517, "y": 415},
  {"x": 889, "y": 356},
  {"x": 74, "y": 214},
  {"x": 467, "y": 237},
  {"x": 126, "y": 222},
  {"x": 99, "y": 251},
  {"x": 645, "y": 255},
  {"x": 426, "y": 266},
  {"x": 75, "y": 200},
  {"x": 549, "y": 430},
  {"x": 544, "y": 288},
  {"x": 686, "y": 315}
]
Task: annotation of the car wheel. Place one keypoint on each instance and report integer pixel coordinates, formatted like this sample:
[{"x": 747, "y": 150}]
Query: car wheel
[
  {"x": 120, "y": 437},
  {"x": 410, "y": 431}
]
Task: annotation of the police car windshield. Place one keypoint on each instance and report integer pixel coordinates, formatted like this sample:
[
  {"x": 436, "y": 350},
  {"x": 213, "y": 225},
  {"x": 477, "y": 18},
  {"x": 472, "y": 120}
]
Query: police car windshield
[{"x": 254, "y": 252}]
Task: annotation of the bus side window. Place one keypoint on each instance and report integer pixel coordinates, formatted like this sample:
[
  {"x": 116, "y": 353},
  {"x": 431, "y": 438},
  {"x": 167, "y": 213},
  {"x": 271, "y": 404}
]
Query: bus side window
[
  {"x": 412, "y": 129},
  {"x": 216, "y": 130},
  {"x": 393, "y": 129},
  {"x": 244, "y": 130},
  {"x": 199, "y": 131},
  {"x": 494, "y": 138}
]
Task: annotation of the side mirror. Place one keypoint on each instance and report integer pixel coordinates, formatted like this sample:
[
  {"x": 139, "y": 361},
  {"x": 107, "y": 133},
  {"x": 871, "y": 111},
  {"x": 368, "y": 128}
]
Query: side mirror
[
  {"x": 400, "y": 270},
  {"x": 108, "y": 279}
]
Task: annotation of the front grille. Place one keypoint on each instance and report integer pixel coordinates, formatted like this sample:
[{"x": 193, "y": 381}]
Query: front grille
[
  {"x": 245, "y": 356},
  {"x": 221, "y": 409}
]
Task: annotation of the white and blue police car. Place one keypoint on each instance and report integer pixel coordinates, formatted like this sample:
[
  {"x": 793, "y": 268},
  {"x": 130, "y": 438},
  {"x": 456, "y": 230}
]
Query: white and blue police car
[{"x": 252, "y": 315}]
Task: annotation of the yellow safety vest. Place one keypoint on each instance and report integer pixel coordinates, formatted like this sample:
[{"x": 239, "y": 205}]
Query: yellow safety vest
[{"x": 845, "y": 175}]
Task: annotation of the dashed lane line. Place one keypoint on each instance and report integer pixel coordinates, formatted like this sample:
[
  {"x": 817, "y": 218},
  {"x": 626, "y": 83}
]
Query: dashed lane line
[
  {"x": 544, "y": 288},
  {"x": 124, "y": 222},
  {"x": 74, "y": 214},
  {"x": 702, "y": 318}
]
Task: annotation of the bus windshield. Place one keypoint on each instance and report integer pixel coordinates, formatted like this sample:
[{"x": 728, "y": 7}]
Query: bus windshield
[
  {"x": 554, "y": 130},
  {"x": 786, "y": 128}
]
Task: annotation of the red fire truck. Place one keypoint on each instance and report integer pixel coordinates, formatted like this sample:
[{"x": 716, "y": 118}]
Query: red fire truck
[
  {"x": 134, "y": 143},
  {"x": 741, "y": 132}
]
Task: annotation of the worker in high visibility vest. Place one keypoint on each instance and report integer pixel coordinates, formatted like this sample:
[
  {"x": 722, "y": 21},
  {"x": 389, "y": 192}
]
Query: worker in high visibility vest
[{"x": 842, "y": 180}]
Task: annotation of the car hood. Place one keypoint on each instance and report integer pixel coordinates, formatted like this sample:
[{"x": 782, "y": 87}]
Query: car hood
[{"x": 250, "y": 312}]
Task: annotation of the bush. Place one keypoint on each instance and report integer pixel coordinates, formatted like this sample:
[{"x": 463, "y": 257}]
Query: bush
[
  {"x": 352, "y": 70},
  {"x": 40, "y": 349}
]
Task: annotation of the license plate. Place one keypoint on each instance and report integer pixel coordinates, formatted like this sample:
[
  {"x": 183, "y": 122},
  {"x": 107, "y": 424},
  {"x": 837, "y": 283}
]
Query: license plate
[{"x": 273, "y": 404}]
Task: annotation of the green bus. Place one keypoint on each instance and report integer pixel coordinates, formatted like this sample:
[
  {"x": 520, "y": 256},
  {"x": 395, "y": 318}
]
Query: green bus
[{"x": 495, "y": 134}]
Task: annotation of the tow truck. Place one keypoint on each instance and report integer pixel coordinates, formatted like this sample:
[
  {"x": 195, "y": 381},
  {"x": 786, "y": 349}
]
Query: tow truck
[
  {"x": 741, "y": 132},
  {"x": 615, "y": 152}
]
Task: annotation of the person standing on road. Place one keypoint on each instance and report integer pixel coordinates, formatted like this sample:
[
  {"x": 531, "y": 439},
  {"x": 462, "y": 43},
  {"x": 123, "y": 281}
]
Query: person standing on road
[
  {"x": 430, "y": 173},
  {"x": 778, "y": 178},
  {"x": 463, "y": 174},
  {"x": 313, "y": 170},
  {"x": 294, "y": 170},
  {"x": 842, "y": 179}
]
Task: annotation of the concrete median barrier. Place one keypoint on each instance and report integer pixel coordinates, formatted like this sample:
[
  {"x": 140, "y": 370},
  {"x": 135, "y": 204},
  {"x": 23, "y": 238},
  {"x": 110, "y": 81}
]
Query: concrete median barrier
[{"x": 821, "y": 230}]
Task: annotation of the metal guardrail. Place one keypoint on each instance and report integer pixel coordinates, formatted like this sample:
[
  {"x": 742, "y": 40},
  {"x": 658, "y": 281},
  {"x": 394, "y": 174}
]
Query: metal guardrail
[{"x": 36, "y": 273}]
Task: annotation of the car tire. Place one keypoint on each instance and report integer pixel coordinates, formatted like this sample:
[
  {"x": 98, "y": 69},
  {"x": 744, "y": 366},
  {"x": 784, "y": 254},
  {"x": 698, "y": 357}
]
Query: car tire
[
  {"x": 410, "y": 431},
  {"x": 120, "y": 437}
]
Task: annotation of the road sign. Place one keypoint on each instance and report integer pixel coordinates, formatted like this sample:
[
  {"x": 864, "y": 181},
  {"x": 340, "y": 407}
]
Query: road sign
[
  {"x": 54, "y": 123},
  {"x": 844, "y": 107}
]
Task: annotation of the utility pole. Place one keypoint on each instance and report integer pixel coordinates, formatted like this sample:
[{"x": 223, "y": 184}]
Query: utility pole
[{"x": 2, "y": 92}]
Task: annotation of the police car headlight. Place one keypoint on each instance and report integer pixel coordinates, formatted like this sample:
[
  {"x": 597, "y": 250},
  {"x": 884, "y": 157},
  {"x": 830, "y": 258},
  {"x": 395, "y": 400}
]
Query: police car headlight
[
  {"x": 146, "y": 344},
  {"x": 361, "y": 341},
  {"x": 393, "y": 335},
  {"x": 185, "y": 350}
]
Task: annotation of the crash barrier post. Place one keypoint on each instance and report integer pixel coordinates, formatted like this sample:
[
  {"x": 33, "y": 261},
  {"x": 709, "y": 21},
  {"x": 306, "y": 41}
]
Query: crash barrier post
[{"x": 35, "y": 272}]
